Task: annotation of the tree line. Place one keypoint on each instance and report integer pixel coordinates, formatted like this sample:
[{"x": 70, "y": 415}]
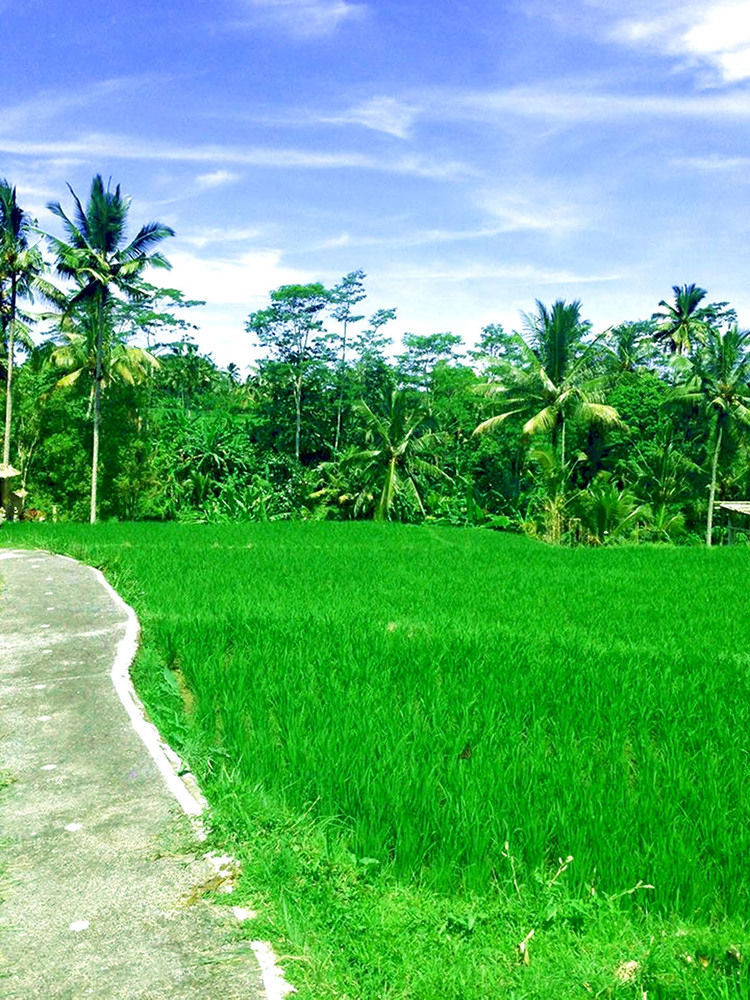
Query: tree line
[{"x": 112, "y": 410}]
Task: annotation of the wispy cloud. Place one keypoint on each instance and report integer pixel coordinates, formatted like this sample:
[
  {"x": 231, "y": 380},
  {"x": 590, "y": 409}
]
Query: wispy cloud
[
  {"x": 120, "y": 147},
  {"x": 545, "y": 212},
  {"x": 381, "y": 114},
  {"x": 572, "y": 105},
  {"x": 712, "y": 164},
  {"x": 517, "y": 220},
  {"x": 216, "y": 178},
  {"x": 482, "y": 271},
  {"x": 218, "y": 236},
  {"x": 557, "y": 104},
  {"x": 304, "y": 19},
  {"x": 44, "y": 106}
]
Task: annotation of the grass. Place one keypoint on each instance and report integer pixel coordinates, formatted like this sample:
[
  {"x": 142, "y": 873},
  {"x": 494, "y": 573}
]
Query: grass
[{"x": 408, "y": 732}]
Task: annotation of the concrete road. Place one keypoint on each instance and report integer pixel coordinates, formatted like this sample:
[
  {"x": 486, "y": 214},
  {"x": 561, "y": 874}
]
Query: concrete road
[{"x": 100, "y": 870}]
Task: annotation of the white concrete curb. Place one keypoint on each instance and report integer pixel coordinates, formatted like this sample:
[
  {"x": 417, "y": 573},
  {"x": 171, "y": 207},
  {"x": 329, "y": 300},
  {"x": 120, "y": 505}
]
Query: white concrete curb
[{"x": 181, "y": 783}]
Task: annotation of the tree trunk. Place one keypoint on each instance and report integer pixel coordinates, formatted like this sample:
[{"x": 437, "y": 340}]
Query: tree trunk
[
  {"x": 297, "y": 414},
  {"x": 340, "y": 404},
  {"x": 385, "y": 503},
  {"x": 95, "y": 453},
  {"x": 97, "y": 405},
  {"x": 712, "y": 490},
  {"x": 5, "y": 482},
  {"x": 9, "y": 376},
  {"x": 562, "y": 448}
]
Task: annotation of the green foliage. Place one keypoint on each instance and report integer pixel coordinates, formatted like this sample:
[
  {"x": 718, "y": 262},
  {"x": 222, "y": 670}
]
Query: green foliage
[{"x": 328, "y": 425}]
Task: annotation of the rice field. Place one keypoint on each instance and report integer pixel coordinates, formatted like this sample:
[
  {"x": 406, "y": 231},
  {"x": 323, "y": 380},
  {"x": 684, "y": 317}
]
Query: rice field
[{"x": 459, "y": 709}]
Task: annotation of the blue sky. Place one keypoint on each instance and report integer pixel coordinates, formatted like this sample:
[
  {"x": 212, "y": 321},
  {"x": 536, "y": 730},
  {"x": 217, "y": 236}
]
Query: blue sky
[{"x": 470, "y": 157}]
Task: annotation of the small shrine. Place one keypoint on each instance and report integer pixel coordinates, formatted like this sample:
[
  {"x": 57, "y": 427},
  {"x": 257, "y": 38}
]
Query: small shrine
[{"x": 734, "y": 507}]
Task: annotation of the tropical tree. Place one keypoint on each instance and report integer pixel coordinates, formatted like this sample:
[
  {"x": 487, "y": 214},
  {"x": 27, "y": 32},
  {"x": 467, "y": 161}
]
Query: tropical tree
[
  {"x": 424, "y": 353},
  {"x": 291, "y": 328},
  {"x": 555, "y": 381},
  {"x": 19, "y": 265},
  {"x": 187, "y": 374},
  {"x": 400, "y": 444},
  {"x": 681, "y": 323},
  {"x": 718, "y": 381},
  {"x": 345, "y": 296},
  {"x": 102, "y": 265}
]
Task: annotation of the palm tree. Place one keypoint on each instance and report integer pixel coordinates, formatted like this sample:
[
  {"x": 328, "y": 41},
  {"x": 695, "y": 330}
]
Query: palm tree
[
  {"x": 400, "y": 437},
  {"x": 718, "y": 380},
  {"x": 77, "y": 354},
  {"x": 685, "y": 320},
  {"x": 101, "y": 265},
  {"x": 630, "y": 346},
  {"x": 555, "y": 381},
  {"x": 19, "y": 264}
]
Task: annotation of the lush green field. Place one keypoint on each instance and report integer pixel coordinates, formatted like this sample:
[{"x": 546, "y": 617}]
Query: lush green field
[{"x": 408, "y": 731}]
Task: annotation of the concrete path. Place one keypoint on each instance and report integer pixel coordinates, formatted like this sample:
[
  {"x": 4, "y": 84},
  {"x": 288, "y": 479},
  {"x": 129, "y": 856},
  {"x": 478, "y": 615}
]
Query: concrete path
[{"x": 100, "y": 870}]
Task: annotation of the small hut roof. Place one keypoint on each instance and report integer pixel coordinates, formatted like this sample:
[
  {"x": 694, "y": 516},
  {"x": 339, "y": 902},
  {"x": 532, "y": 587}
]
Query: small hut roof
[{"x": 736, "y": 506}]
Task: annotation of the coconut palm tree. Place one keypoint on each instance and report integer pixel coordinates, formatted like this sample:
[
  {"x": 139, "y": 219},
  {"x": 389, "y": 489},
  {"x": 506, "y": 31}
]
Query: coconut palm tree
[
  {"x": 630, "y": 346},
  {"x": 685, "y": 321},
  {"x": 400, "y": 439},
  {"x": 77, "y": 355},
  {"x": 19, "y": 265},
  {"x": 555, "y": 381},
  {"x": 102, "y": 265},
  {"x": 718, "y": 380}
]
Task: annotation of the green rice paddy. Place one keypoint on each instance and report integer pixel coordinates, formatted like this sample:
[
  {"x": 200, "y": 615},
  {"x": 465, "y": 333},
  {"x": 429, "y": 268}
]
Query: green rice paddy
[{"x": 443, "y": 719}]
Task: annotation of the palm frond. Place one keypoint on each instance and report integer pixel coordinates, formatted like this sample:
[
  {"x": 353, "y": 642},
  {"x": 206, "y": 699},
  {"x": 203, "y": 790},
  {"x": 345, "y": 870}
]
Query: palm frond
[{"x": 544, "y": 420}]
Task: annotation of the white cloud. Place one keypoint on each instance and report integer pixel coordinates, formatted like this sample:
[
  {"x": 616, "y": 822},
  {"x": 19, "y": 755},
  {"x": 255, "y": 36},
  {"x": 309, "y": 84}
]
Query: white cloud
[
  {"x": 712, "y": 33},
  {"x": 239, "y": 279},
  {"x": 305, "y": 19},
  {"x": 217, "y": 178}
]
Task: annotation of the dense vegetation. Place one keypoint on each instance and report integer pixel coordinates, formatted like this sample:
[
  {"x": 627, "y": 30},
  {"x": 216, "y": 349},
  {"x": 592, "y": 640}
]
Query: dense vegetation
[
  {"x": 426, "y": 743},
  {"x": 557, "y": 431}
]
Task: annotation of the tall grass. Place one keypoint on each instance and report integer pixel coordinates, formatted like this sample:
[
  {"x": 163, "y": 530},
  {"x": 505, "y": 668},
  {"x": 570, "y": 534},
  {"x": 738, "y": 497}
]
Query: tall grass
[{"x": 440, "y": 694}]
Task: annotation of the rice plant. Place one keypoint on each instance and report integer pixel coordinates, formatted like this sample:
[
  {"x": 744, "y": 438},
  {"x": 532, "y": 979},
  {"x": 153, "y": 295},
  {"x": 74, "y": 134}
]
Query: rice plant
[{"x": 458, "y": 708}]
